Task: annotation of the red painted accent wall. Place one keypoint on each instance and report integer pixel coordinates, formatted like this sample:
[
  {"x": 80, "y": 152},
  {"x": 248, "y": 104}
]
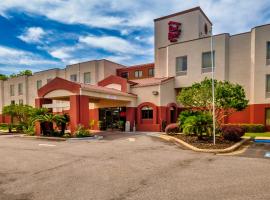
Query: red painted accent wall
[
  {"x": 79, "y": 111},
  {"x": 131, "y": 70},
  {"x": 131, "y": 116},
  {"x": 94, "y": 115}
]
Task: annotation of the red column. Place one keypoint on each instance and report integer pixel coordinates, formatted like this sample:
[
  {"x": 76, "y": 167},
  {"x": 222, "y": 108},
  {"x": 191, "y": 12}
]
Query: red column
[
  {"x": 79, "y": 111},
  {"x": 38, "y": 104},
  {"x": 131, "y": 116}
]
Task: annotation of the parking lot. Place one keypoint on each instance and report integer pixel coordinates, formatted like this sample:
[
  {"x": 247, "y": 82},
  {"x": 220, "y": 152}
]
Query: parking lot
[{"x": 125, "y": 167}]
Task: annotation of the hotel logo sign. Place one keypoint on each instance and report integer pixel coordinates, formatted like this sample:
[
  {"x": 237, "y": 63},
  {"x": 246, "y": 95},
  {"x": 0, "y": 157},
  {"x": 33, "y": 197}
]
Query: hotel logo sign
[{"x": 174, "y": 31}]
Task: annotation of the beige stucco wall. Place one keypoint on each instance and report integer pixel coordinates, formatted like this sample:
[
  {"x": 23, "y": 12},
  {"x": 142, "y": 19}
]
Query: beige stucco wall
[
  {"x": 259, "y": 69},
  {"x": 145, "y": 94},
  {"x": 167, "y": 93},
  {"x": 193, "y": 50},
  {"x": 240, "y": 61}
]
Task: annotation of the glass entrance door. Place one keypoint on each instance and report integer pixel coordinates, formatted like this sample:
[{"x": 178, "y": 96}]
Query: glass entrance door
[{"x": 112, "y": 118}]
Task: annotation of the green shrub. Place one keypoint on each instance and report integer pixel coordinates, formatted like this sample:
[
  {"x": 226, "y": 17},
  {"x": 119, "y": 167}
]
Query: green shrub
[
  {"x": 81, "y": 131},
  {"x": 249, "y": 128},
  {"x": 199, "y": 124},
  {"x": 3, "y": 126}
]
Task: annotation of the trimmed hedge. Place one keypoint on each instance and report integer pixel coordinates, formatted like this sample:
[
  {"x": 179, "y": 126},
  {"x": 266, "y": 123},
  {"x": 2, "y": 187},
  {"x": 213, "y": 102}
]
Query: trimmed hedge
[
  {"x": 249, "y": 128},
  {"x": 232, "y": 133},
  {"x": 172, "y": 128}
]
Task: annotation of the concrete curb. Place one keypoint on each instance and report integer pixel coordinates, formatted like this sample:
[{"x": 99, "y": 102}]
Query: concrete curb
[
  {"x": 191, "y": 147},
  {"x": 44, "y": 138}
]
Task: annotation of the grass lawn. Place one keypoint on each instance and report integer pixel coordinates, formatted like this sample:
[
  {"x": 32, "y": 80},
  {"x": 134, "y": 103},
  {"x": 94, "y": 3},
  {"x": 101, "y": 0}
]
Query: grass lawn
[{"x": 265, "y": 134}]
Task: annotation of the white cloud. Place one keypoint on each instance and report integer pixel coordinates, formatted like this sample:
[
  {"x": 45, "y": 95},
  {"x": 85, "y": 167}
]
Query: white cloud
[
  {"x": 227, "y": 15},
  {"x": 12, "y": 57},
  {"x": 32, "y": 35},
  {"x": 111, "y": 43}
]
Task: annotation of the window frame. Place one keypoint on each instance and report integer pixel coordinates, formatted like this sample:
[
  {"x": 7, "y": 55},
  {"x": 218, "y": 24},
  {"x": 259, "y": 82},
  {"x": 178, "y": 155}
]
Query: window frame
[
  {"x": 73, "y": 75},
  {"x": 127, "y": 75},
  {"x": 149, "y": 114},
  {"x": 181, "y": 72},
  {"x": 268, "y": 53},
  {"x": 84, "y": 79},
  {"x": 37, "y": 85},
  {"x": 140, "y": 74},
  {"x": 20, "y": 89},
  {"x": 152, "y": 74},
  {"x": 12, "y": 90},
  {"x": 267, "y": 89},
  {"x": 208, "y": 68}
]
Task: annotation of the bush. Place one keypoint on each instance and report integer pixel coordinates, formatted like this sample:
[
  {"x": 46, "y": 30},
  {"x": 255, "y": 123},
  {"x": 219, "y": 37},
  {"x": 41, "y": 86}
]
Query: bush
[
  {"x": 232, "y": 133},
  {"x": 81, "y": 131},
  {"x": 3, "y": 126},
  {"x": 250, "y": 128},
  {"x": 200, "y": 124},
  {"x": 172, "y": 128}
]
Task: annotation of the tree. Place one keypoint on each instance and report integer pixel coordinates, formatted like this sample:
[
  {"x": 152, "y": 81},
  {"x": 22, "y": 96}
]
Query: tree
[
  {"x": 22, "y": 73},
  {"x": 3, "y": 77},
  {"x": 10, "y": 111},
  {"x": 229, "y": 98}
]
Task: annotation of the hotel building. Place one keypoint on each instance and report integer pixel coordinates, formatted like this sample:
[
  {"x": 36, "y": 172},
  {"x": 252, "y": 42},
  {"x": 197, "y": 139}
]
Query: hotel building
[{"x": 144, "y": 96}]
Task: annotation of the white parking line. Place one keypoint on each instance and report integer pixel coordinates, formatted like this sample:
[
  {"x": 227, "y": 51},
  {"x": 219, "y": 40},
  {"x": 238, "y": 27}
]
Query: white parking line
[
  {"x": 131, "y": 139},
  {"x": 47, "y": 145}
]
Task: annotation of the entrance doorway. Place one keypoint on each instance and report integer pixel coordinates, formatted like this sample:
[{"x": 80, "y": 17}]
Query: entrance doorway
[
  {"x": 173, "y": 114},
  {"x": 112, "y": 118}
]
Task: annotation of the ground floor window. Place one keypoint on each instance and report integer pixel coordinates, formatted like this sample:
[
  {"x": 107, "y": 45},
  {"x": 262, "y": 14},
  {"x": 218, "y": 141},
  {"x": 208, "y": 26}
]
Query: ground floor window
[
  {"x": 147, "y": 112},
  {"x": 267, "y": 117}
]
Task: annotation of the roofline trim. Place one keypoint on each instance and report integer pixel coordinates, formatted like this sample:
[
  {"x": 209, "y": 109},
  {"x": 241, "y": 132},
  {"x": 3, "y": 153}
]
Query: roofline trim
[{"x": 184, "y": 12}]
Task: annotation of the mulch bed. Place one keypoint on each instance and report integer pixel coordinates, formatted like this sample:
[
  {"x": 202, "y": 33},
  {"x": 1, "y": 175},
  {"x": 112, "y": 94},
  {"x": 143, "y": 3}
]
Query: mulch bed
[{"x": 205, "y": 143}]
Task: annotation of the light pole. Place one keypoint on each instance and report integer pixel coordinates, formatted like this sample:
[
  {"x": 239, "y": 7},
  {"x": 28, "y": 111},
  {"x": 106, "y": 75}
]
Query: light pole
[{"x": 213, "y": 88}]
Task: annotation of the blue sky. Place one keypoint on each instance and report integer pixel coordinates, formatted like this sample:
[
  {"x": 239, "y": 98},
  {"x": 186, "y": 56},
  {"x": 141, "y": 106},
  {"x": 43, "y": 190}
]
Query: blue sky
[{"x": 42, "y": 34}]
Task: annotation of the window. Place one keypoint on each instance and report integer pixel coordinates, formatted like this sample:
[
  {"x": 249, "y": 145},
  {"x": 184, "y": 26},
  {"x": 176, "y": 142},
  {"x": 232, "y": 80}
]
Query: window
[
  {"x": 73, "y": 77},
  {"x": 181, "y": 65},
  {"x": 268, "y": 53},
  {"x": 20, "y": 101},
  {"x": 20, "y": 89},
  {"x": 268, "y": 85},
  {"x": 12, "y": 90},
  {"x": 39, "y": 84},
  {"x": 147, "y": 112},
  {"x": 151, "y": 72},
  {"x": 49, "y": 80},
  {"x": 12, "y": 102},
  {"x": 138, "y": 74},
  {"x": 87, "y": 77},
  {"x": 124, "y": 74},
  {"x": 267, "y": 117},
  {"x": 206, "y": 61}
]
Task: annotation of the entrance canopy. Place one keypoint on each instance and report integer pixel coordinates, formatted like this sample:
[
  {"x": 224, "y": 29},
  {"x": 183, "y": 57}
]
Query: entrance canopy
[{"x": 61, "y": 89}]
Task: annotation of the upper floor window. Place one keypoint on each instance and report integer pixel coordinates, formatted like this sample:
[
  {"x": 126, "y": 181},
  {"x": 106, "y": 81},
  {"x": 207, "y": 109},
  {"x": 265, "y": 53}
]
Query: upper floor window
[
  {"x": 268, "y": 53},
  {"x": 181, "y": 65},
  {"x": 73, "y": 77},
  {"x": 147, "y": 112},
  {"x": 138, "y": 74},
  {"x": 12, "y": 93},
  {"x": 86, "y": 77},
  {"x": 39, "y": 84},
  {"x": 207, "y": 61},
  {"x": 268, "y": 85},
  {"x": 49, "y": 80},
  {"x": 124, "y": 74},
  {"x": 20, "y": 89},
  {"x": 151, "y": 72}
]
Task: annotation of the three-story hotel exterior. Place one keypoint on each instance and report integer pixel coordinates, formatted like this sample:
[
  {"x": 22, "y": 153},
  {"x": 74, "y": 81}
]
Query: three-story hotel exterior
[{"x": 144, "y": 96}]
